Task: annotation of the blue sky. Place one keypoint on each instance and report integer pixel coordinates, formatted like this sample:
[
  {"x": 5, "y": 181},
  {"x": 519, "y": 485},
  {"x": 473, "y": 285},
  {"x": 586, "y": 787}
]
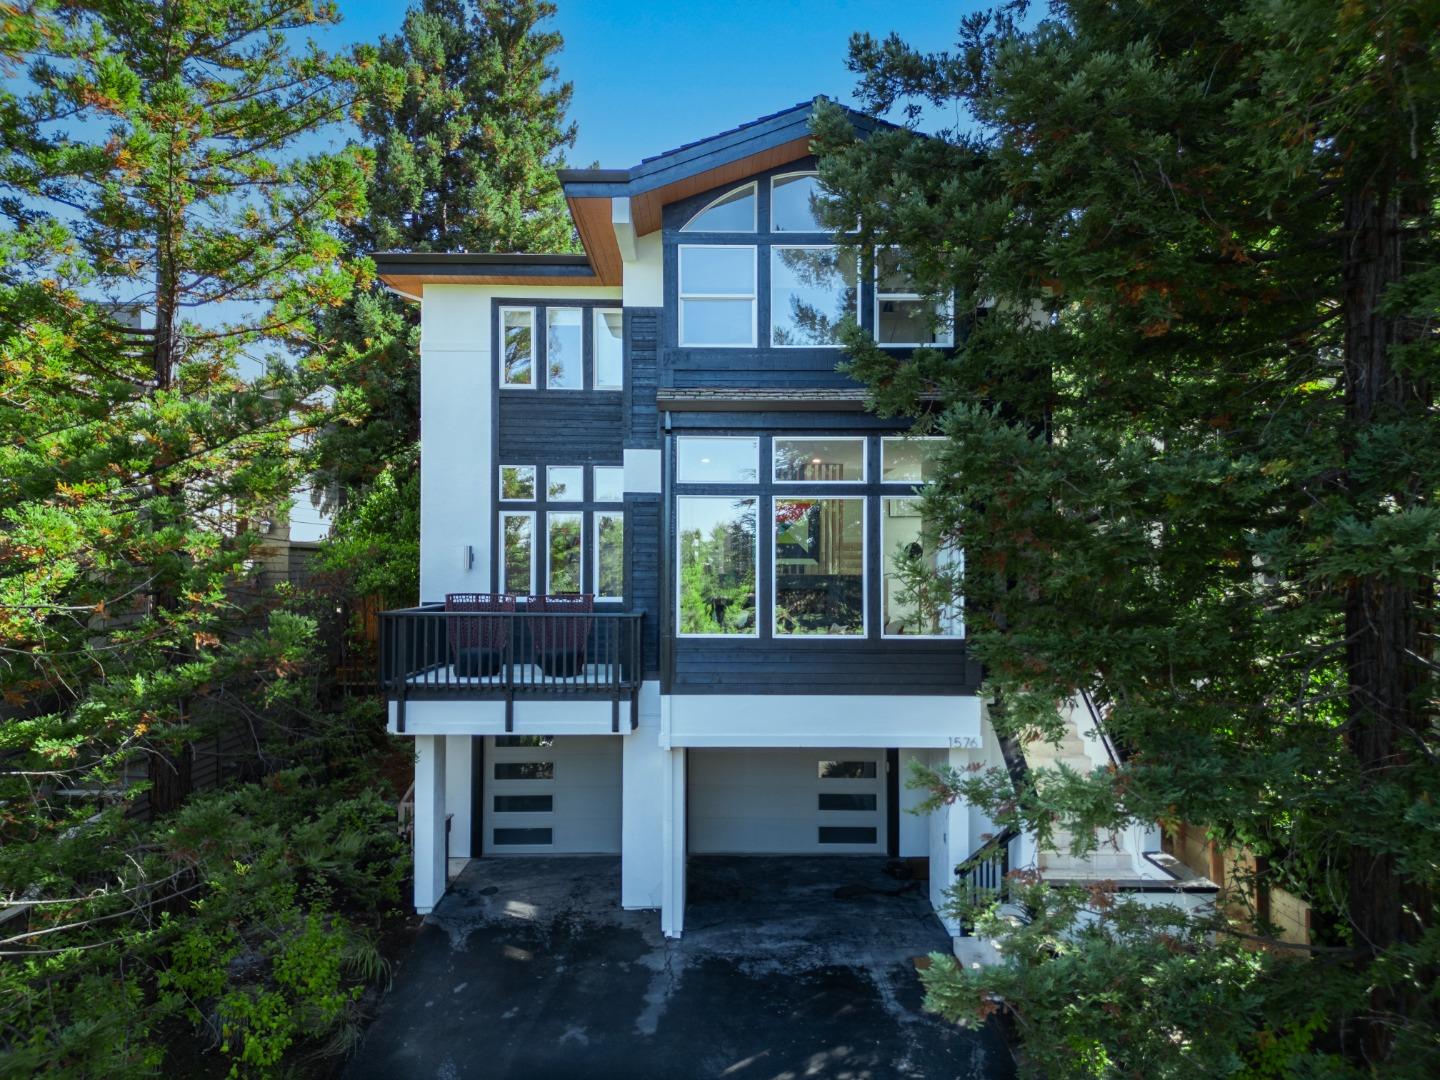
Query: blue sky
[{"x": 651, "y": 76}]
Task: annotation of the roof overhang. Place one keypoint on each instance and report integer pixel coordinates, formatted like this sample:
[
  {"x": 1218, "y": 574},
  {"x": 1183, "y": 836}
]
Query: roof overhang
[{"x": 408, "y": 272}]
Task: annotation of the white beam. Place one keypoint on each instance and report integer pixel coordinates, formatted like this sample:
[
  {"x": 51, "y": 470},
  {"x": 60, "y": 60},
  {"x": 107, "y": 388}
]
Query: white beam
[{"x": 624, "y": 227}]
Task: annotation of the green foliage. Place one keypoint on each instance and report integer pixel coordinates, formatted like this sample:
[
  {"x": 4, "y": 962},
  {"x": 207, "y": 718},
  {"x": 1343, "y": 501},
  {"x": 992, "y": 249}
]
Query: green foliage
[{"x": 1192, "y": 458}]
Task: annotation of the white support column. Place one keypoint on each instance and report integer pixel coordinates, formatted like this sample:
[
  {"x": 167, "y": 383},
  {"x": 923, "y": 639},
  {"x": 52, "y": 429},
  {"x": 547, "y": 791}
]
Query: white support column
[
  {"x": 672, "y": 902},
  {"x": 458, "y": 762},
  {"x": 643, "y": 805},
  {"x": 949, "y": 840},
  {"x": 429, "y": 822}
]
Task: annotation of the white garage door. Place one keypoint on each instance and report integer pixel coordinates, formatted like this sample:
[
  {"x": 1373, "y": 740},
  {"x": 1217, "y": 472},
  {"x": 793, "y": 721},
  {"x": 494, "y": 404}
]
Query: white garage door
[
  {"x": 548, "y": 793},
  {"x": 787, "y": 802}
]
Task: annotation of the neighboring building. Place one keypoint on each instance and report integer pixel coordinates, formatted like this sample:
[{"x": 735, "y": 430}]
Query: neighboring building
[{"x": 659, "y": 423}]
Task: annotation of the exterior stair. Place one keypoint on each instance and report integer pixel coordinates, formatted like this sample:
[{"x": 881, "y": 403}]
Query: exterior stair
[{"x": 1109, "y": 860}]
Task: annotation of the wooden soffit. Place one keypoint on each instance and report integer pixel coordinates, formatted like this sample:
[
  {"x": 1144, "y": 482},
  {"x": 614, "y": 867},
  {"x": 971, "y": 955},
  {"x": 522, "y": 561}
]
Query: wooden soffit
[{"x": 592, "y": 215}]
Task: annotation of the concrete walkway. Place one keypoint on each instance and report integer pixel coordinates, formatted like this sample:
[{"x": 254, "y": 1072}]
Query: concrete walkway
[{"x": 789, "y": 968}]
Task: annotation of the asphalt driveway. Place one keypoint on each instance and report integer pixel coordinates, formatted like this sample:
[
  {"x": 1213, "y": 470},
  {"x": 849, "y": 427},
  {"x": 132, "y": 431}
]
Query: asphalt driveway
[{"x": 789, "y": 968}]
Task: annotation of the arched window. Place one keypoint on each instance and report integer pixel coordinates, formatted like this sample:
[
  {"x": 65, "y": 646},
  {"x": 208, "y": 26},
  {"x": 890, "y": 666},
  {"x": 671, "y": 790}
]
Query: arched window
[{"x": 732, "y": 212}]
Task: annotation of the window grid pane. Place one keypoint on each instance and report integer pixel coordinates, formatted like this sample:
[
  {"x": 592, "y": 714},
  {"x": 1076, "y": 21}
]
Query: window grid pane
[
  {"x": 811, "y": 290},
  {"x": 609, "y": 349},
  {"x": 517, "y": 554},
  {"x": 517, "y": 483},
  {"x": 716, "y": 460},
  {"x": 732, "y": 212},
  {"x": 565, "y": 566},
  {"x": 715, "y": 565},
  {"x": 564, "y": 349},
  {"x": 517, "y": 346},
  {"x": 820, "y": 461},
  {"x": 819, "y": 567},
  {"x": 918, "y": 576},
  {"x": 610, "y": 556}
]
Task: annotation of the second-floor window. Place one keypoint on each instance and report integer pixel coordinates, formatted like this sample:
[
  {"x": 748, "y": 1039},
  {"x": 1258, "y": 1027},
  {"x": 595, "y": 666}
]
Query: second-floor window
[
  {"x": 574, "y": 346},
  {"x": 561, "y": 529}
]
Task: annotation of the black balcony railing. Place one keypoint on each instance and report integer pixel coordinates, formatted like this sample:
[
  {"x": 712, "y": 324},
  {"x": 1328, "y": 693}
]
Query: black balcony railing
[{"x": 431, "y": 654}]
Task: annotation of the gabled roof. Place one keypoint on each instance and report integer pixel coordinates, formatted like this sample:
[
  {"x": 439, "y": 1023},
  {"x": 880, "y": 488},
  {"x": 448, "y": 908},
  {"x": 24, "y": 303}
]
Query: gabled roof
[
  {"x": 775, "y": 132},
  {"x": 604, "y": 200}
]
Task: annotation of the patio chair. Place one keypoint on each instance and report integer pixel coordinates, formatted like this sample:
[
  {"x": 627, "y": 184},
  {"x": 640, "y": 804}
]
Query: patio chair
[
  {"x": 562, "y": 645},
  {"x": 480, "y": 645}
]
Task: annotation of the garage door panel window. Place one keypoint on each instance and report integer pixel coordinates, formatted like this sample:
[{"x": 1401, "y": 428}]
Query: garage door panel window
[
  {"x": 525, "y": 837},
  {"x": 524, "y": 770},
  {"x": 524, "y": 804},
  {"x": 847, "y": 834},
  {"x": 846, "y": 801},
  {"x": 847, "y": 770}
]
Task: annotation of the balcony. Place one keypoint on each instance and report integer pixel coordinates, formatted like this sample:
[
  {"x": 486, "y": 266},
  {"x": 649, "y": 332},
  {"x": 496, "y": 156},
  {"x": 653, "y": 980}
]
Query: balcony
[{"x": 431, "y": 654}]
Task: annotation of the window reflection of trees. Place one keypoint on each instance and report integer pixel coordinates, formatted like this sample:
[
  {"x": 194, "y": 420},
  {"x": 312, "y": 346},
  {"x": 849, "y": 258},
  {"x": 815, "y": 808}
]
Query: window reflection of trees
[
  {"x": 820, "y": 292},
  {"x": 717, "y": 567}
]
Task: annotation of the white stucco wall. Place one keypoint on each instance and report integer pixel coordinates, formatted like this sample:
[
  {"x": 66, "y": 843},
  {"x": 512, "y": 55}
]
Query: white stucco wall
[
  {"x": 819, "y": 720},
  {"x": 643, "y": 808}
]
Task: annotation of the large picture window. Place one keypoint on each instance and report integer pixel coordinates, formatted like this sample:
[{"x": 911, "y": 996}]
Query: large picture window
[
  {"x": 716, "y": 565},
  {"x": 717, "y": 295},
  {"x": 819, "y": 566},
  {"x": 919, "y": 575},
  {"x": 811, "y": 290},
  {"x": 517, "y": 553}
]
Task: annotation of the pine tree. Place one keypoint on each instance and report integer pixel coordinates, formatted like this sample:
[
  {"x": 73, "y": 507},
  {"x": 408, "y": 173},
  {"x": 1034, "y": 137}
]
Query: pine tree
[
  {"x": 467, "y": 124},
  {"x": 1193, "y": 462},
  {"x": 153, "y": 177}
]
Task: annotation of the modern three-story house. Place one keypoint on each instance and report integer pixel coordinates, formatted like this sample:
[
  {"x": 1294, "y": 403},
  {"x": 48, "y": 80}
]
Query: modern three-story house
[{"x": 661, "y": 611}]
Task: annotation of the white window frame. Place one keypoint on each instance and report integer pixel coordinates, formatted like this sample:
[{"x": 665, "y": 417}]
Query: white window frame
[
  {"x": 579, "y": 495},
  {"x": 754, "y": 496},
  {"x": 774, "y": 249},
  {"x": 500, "y": 483},
  {"x": 595, "y": 485},
  {"x": 864, "y": 633},
  {"x": 580, "y": 381},
  {"x": 886, "y": 440},
  {"x": 753, "y": 297},
  {"x": 959, "y": 634},
  {"x": 947, "y": 343},
  {"x": 718, "y": 438},
  {"x": 500, "y": 546},
  {"x": 864, "y": 458},
  {"x": 550, "y": 515},
  {"x": 534, "y": 351},
  {"x": 596, "y": 517},
  {"x": 597, "y": 320},
  {"x": 754, "y": 212}
]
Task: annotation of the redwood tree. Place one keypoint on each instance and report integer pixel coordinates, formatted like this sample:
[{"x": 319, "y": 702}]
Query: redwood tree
[{"x": 1192, "y": 461}]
